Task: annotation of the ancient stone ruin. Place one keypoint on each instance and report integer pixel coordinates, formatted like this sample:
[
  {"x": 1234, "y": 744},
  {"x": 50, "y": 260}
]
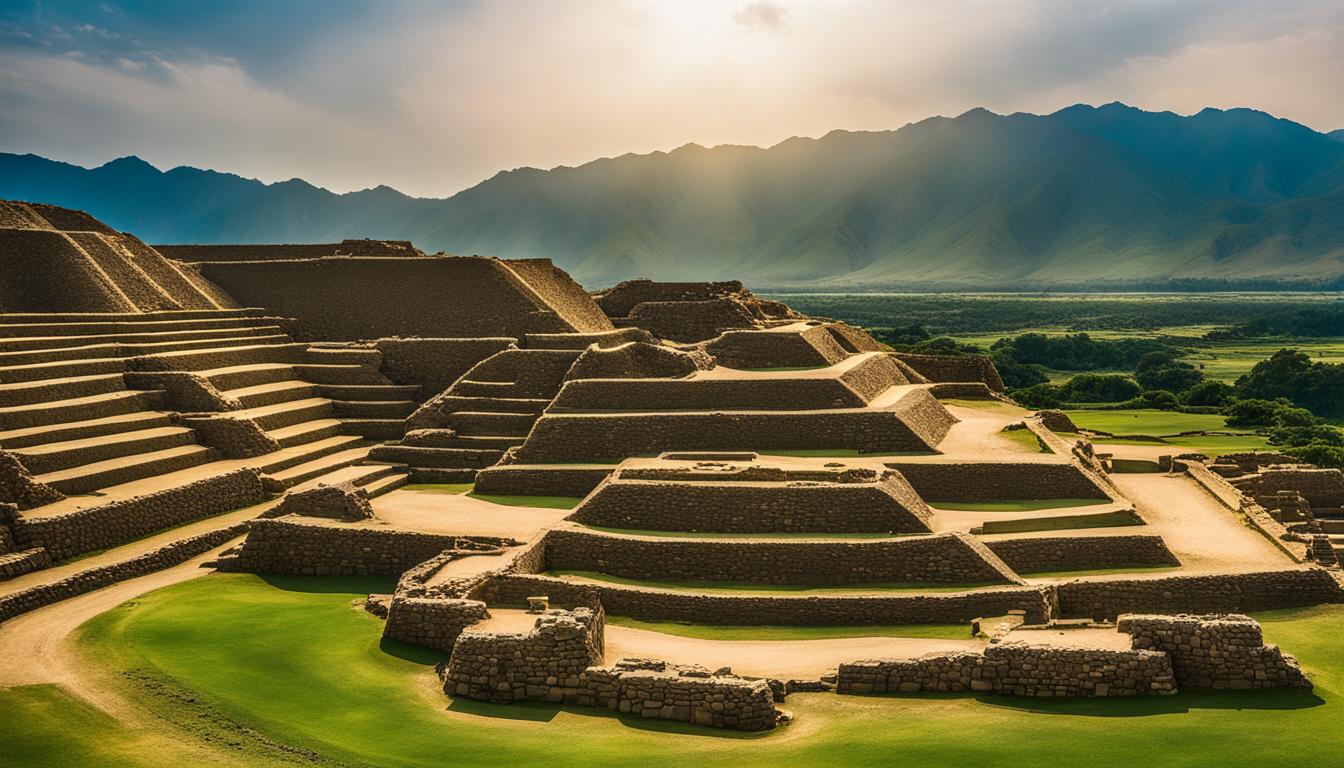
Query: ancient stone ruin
[{"x": 655, "y": 452}]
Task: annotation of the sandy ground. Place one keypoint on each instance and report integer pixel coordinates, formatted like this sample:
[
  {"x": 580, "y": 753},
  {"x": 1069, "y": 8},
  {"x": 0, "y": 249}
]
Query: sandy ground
[
  {"x": 40, "y": 640},
  {"x": 1104, "y": 638},
  {"x": 461, "y": 514},
  {"x": 802, "y": 659},
  {"x": 1202, "y": 533}
]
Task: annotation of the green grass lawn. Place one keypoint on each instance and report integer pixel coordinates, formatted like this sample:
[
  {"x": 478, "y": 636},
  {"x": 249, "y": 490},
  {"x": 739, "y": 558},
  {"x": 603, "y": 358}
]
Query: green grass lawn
[
  {"x": 1209, "y": 445},
  {"x": 722, "y": 632},
  {"x": 1228, "y": 360},
  {"x": 454, "y": 489},
  {"x": 733, "y": 587},
  {"x": 1117, "y": 519},
  {"x": 1026, "y": 439},
  {"x": 1017, "y": 505},
  {"x": 293, "y": 662},
  {"x": 1146, "y": 421}
]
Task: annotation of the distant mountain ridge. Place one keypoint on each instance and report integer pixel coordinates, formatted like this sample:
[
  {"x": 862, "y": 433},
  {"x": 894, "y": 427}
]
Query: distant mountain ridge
[{"x": 1108, "y": 196}]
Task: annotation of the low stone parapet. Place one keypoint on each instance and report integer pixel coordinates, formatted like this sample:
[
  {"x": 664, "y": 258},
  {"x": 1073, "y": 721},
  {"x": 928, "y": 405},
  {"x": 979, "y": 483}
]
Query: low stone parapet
[
  {"x": 1226, "y": 651},
  {"x": 1207, "y": 593},
  {"x": 117, "y": 522},
  {"x": 1016, "y": 669}
]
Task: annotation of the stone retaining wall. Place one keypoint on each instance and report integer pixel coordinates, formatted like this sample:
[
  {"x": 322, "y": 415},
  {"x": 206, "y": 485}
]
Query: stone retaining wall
[
  {"x": 968, "y": 481},
  {"x": 183, "y": 390},
  {"x": 16, "y": 603},
  {"x": 434, "y": 364},
  {"x": 315, "y": 547},
  {"x": 1215, "y": 651},
  {"x": 20, "y": 488},
  {"x": 431, "y": 622},
  {"x": 1212, "y": 593},
  {"x": 814, "y": 346},
  {"x": 896, "y": 608},
  {"x": 555, "y": 662},
  {"x": 942, "y": 559},
  {"x": 525, "y": 480},
  {"x": 915, "y": 425},
  {"x": 1016, "y": 669},
  {"x": 115, "y": 523},
  {"x": 1322, "y": 488},
  {"x": 1079, "y": 553},
  {"x": 774, "y": 394},
  {"x": 889, "y": 505},
  {"x": 946, "y": 368}
]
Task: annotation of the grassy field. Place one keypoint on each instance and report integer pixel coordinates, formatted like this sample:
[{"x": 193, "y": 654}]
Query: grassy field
[
  {"x": 1161, "y": 427},
  {"x": 720, "y": 535},
  {"x": 332, "y": 688},
  {"x": 1026, "y": 440}
]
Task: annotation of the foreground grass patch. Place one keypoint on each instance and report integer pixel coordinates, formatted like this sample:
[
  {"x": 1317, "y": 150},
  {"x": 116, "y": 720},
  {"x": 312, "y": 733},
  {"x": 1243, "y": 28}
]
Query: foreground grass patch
[
  {"x": 835, "y": 453},
  {"x": 1147, "y": 421},
  {"x": 719, "y": 535},
  {"x": 768, "y": 633},
  {"x": 1116, "y": 519},
  {"x": 302, "y": 666}
]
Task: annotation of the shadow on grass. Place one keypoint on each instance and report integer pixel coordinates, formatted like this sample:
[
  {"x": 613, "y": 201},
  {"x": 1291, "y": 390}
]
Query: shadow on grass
[
  {"x": 354, "y": 585},
  {"x": 534, "y": 711},
  {"x": 1144, "y": 706},
  {"x": 413, "y": 653},
  {"x": 1131, "y": 706}
]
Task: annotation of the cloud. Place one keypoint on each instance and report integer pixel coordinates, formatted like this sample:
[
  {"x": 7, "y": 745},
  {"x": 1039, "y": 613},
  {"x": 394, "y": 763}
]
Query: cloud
[
  {"x": 432, "y": 97},
  {"x": 765, "y": 15}
]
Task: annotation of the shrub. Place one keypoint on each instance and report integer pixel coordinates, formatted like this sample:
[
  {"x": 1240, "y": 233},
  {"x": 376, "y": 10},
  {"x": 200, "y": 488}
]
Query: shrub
[
  {"x": 1039, "y": 396},
  {"x": 1099, "y": 388},
  {"x": 1208, "y": 393},
  {"x": 1319, "y": 454}
]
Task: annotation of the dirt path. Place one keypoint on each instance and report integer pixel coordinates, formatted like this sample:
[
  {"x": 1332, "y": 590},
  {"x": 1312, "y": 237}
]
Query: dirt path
[
  {"x": 1202, "y": 533},
  {"x": 38, "y": 647},
  {"x": 462, "y": 515},
  {"x": 784, "y": 659}
]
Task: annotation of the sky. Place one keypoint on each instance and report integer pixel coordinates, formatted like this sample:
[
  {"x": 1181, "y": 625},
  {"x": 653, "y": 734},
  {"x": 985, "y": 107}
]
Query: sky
[{"x": 433, "y": 96}]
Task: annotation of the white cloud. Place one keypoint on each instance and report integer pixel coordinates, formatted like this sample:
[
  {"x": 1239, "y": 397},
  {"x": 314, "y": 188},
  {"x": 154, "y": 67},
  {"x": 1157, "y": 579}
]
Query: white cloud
[{"x": 431, "y": 99}]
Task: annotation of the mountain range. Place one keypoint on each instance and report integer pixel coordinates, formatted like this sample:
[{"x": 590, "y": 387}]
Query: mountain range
[{"x": 1087, "y": 197}]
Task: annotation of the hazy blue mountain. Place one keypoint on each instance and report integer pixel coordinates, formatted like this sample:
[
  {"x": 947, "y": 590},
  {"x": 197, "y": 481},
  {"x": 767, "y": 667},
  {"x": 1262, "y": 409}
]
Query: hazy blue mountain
[{"x": 1102, "y": 196}]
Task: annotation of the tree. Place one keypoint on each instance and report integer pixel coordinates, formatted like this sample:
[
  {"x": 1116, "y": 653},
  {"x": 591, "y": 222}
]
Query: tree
[
  {"x": 1209, "y": 393},
  {"x": 1099, "y": 388},
  {"x": 1290, "y": 374},
  {"x": 1172, "y": 375}
]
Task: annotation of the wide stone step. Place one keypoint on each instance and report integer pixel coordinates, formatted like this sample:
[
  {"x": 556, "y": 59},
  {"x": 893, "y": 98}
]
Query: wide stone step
[
  {"x": 487, "y": 423},
  {"x": 79, "y": 409},
  {"x": 497, "y": 442},
  {"x": 272, "y": 393},
  {"x": 102, "y": 474},
  {"x": 304, "y": 453},
  {"x": 306, "y": 432},
  {"x": 343, "y": 356},
  {"x": 53, "y": 457},
  {"x": 469, "y": 388},
  {"x": 14, "y": 564},
  {"x": 251, "y": 375},
  {"x": 29, "y": 356},
  {"x": 442, "y": 458},
  {"x": 386, "y": 484},
  {"x": 338, "y": 374},
  {"x": 373, "y": 409},
  {"x": 15, "y": 325},
  {"x": 75, "y": 430},
  {"x": 368, "y": 391},
  {"x": 31, "y": 392},
  {"x": 219, "y": 357},
  {"x": 284, "y": 414},
  {"x": 299, "y": 473},
  {"x": 530, "y": 405},
  {"x": 133, "y": 337},
  {"x": 12, "y": 374},
  {"x": 375, "y": 429}
]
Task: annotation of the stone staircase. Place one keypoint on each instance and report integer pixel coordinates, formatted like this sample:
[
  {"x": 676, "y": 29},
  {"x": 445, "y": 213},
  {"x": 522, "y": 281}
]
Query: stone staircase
[
  {"x": 70, "y": 418},
  {"x": 489, "y": 410}
]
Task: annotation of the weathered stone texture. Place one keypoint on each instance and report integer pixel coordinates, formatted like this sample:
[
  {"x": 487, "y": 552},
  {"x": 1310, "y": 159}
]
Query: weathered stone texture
[
  {"x": 1219, "y": 651},
  {"x": 342, "y": 501},
  {"x": 1213, "y": 593},
  {"x": 886, "y": 505},
  {"x": 1040, "y": 554},
  {"x": 1016, "y": 669},
  {"x": 110, "y": 524},
  {"x": 942, "y": 559}
]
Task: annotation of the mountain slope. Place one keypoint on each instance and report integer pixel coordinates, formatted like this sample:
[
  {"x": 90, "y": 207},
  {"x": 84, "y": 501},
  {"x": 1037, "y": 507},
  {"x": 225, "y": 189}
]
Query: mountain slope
[{"x": 1102, "y": 196}]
